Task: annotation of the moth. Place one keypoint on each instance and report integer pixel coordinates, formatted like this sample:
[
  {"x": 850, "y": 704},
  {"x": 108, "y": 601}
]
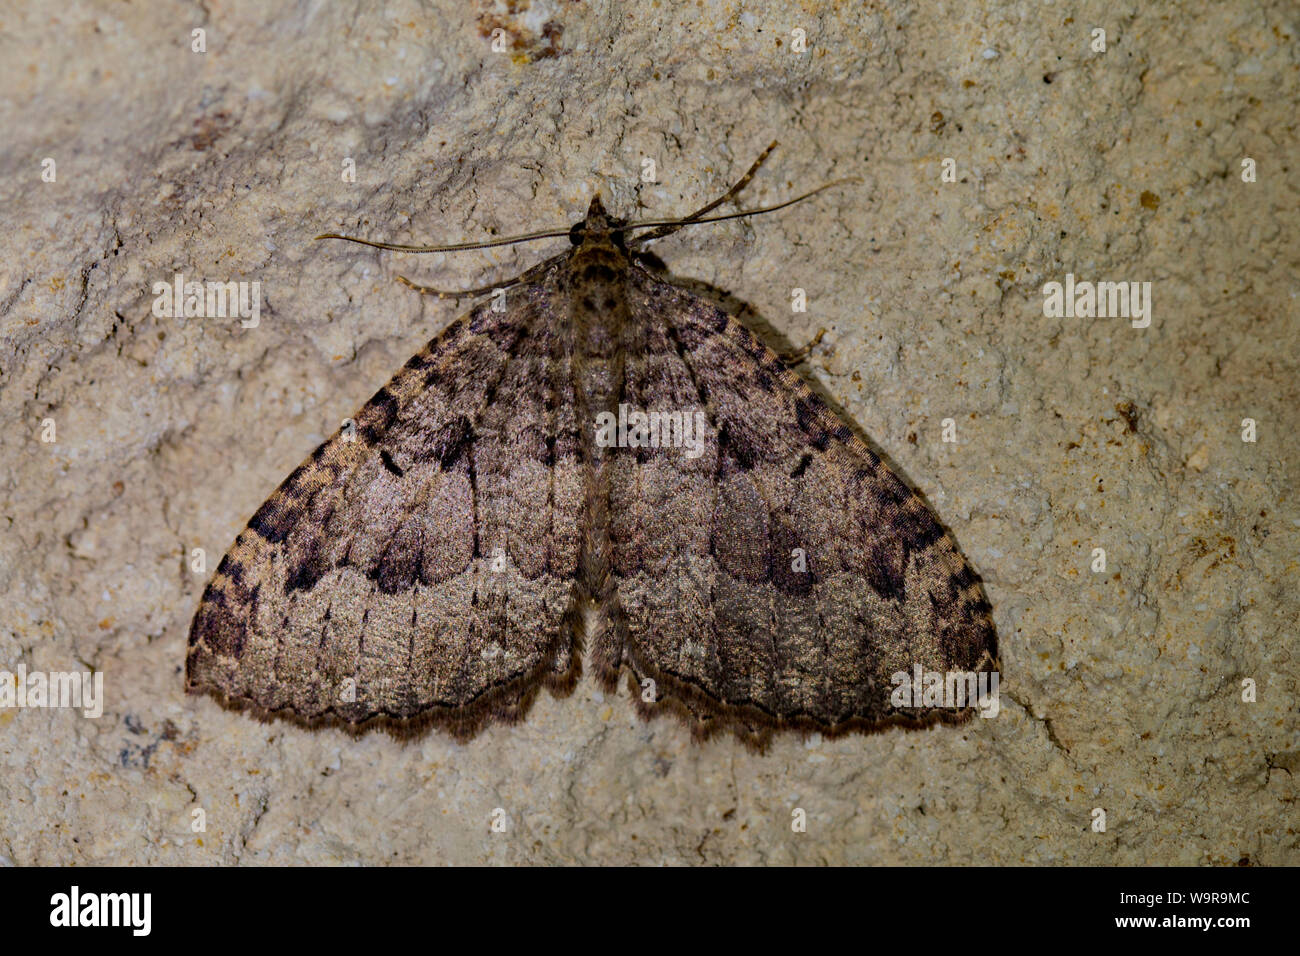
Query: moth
[{"x": 524, "y": 495}]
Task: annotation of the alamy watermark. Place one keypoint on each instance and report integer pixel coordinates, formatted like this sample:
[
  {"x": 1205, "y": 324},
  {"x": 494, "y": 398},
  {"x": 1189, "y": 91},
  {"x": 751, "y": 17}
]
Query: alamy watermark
[
  {"x": 956, "y": 689},
  {"x": 179, "y": 299},
  {"x": 635, "y": 429},
  {"x": 1098, "y": 300},
  {"x": 129, "y": 910},
  {"x": 73, "y": 689}
]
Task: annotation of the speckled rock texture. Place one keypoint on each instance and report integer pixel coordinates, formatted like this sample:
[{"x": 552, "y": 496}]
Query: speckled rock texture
[{"x": 1168, "y": 158}]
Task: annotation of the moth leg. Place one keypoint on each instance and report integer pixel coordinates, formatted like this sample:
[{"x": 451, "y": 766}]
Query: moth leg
[
  {"x": 797, "y": 355},
  {"x": 523, "y": 278},
  {"x": 455, "y": 294},
  {"x": 731, "y": 193}
]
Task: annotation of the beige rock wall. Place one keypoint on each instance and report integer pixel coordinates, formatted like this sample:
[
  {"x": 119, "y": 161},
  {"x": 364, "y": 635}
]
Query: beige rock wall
[{"x": 1122, "y": 690}]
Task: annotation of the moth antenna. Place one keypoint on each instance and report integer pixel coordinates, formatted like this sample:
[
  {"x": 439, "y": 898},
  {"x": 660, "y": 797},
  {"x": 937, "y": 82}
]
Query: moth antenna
[
  {"x": 744, "y": 212},
  {"x": 454, "y": 247}
]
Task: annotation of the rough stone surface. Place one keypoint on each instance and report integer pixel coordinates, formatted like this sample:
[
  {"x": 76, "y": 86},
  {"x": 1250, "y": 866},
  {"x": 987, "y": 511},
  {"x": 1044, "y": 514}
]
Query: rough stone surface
[{"x": 1121, "y": 690}]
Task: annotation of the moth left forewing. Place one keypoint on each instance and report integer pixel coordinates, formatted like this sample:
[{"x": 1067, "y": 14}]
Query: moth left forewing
[{"x": 783, "y": 577}]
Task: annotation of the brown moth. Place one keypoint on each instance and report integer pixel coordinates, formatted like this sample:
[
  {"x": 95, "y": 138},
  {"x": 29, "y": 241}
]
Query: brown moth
[{"x": 606, "y": 446}]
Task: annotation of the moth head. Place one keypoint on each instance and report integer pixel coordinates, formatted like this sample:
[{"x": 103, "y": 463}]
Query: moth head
[{"x": 598, "y": 225}]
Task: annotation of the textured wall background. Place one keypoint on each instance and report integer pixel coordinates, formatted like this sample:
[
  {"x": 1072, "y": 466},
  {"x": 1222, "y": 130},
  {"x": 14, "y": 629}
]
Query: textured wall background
[{"x": 1121, "y": 690}]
